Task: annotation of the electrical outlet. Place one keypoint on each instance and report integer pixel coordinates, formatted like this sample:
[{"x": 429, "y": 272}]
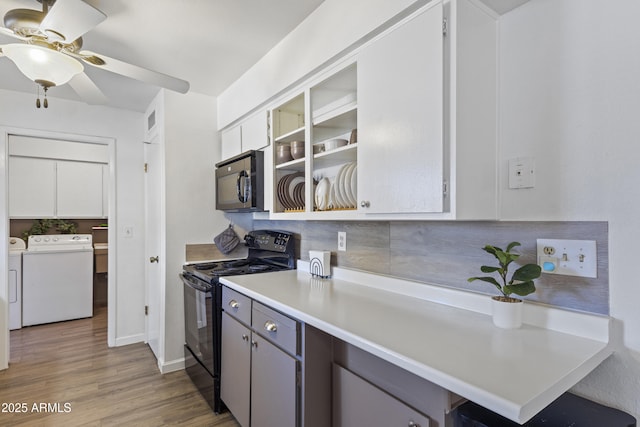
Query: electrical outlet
[
  {"x": 342, "y": 241},
  {"x": 568, "y": 257},
  {"x": 549, "y": 250}
]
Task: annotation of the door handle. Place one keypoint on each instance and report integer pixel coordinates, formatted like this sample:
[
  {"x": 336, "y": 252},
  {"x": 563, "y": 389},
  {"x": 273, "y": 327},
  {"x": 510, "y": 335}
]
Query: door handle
[{"x": 153, "y": 259}]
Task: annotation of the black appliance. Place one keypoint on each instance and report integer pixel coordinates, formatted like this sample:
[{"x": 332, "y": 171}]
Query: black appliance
[
  {"x": 240, "y": 183},
  {"x": 268, "y": 251}
]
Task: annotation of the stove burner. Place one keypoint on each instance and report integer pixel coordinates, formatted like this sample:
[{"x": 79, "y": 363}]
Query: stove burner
[
  {"x": 205, "y": 266},
  {"x": 259, "y": 267},
  {"x": 236, "y": 263},
  {"x": 227, "y": 270}
]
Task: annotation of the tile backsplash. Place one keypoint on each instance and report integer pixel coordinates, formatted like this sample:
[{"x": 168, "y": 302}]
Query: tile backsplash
[{"x": 447, "y": 253}]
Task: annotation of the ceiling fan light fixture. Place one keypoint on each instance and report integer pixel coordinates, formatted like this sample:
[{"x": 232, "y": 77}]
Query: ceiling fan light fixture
[{"x": 42, "y": 65}]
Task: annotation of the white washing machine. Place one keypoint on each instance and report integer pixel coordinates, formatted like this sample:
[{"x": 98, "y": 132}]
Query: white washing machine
[
  {"x": 16, "y": 248},
  {"x": 57, "y": 278}
]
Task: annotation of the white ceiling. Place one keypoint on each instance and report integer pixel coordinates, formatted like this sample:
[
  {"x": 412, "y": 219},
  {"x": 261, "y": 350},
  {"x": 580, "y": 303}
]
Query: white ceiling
[{"x": 209, "y": 43}]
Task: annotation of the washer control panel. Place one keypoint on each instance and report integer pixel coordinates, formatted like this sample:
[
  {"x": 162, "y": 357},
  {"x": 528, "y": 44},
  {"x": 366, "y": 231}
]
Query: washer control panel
[{"x": 59, "y": 241}]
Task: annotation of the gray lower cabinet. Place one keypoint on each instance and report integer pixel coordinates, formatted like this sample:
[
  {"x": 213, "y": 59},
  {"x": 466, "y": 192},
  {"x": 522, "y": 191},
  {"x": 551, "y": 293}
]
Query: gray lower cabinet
[
  {"x": 235, "y": 377},
  {"x": 274, "y": 392},
  {"x": 260, "y": 366},
  {"x": 358, "y": 403}
]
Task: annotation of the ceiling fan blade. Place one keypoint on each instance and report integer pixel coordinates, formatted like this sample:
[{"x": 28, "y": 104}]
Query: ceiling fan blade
[
  {"x": 69, "y": 19},
  {"x": 133, "y": 71},
  {"x": 87, "y": 90}
]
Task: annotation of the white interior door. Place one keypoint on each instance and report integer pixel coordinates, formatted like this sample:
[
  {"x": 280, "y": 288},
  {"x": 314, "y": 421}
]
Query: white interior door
[{"x": 153, "y": 234}]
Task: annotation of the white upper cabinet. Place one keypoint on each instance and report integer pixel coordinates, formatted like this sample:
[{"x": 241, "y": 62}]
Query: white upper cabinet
[
  {"x": 471, "y": 114},
  {"x": 400, "y": 115},
  {"x": 251, "y": 134},
  {"x": 79, "y": 190},
  {"x": 255, "y": 131},
  {"x": 46, "y": 188},
  {"x": 32, "y": 187},
  {"x": 231, "y": 142},
  {"x": 57, "y": 179},
  {"x": 415, "y": 107}
]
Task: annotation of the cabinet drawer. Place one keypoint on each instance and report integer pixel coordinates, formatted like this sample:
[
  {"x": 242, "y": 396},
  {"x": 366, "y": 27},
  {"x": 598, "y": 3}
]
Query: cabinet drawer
[
  {"x": 283, "y": 331},
  {"x": 357, "y": 403},
  {"x": 237, "y": 305}
]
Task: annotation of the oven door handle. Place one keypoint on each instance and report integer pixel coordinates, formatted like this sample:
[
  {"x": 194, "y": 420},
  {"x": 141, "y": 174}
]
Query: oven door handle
[{"x": 194, "y": 285}]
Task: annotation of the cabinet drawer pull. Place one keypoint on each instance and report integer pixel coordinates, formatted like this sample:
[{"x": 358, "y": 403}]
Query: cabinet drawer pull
[
  {"x": 254, "y": 343},
  {"x": 270, "y": 326},
  {"x": 234, "y": 304},
  {"x": 365, "y": 204},
  {"x": 245, "y": 337},
  {"x": 412, "y": 424}
]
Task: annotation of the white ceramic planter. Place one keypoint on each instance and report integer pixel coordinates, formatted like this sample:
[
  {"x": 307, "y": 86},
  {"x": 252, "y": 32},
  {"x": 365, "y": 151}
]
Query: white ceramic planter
[{"x": 507, "y": 314}]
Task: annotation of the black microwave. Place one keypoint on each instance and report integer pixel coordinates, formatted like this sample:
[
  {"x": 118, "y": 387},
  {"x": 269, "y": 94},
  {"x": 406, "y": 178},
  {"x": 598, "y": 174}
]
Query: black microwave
[{"x": 240, "y": 183}]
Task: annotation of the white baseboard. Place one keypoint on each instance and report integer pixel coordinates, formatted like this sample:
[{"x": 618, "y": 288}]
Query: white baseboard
[
  {"x": 172, "y": 366},
  {"x": 131, "y": 339}
]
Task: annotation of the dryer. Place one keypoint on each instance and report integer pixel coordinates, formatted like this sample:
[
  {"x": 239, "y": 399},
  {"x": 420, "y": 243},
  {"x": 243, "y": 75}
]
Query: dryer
[
  {"x": 57, "y": 278},
  {"x": 16, "y": 248}
]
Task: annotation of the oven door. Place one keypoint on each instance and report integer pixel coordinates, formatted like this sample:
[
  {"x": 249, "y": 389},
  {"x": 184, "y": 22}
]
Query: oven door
[{"x": 199, "y": 320}]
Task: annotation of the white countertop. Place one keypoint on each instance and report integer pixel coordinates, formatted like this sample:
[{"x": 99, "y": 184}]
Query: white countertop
[{"x": 515, "y": 373}]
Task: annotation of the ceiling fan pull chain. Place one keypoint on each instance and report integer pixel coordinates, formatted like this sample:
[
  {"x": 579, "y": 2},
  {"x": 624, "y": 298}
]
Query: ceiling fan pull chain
[{"x": 46, "y": 102}]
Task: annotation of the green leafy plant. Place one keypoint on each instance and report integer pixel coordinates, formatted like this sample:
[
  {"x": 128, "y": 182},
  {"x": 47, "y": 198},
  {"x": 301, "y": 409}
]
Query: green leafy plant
[
  {"x": 42, "y": 226},
  {"x": 521, "y": 282}
]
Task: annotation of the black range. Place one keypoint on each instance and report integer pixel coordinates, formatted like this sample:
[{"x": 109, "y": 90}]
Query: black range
[{"x": 268, "y": 251}]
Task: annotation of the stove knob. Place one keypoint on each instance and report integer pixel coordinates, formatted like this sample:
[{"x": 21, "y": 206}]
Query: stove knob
[
  {"x": 55, "y": 239},
  {"x": 46, "y": 239}
]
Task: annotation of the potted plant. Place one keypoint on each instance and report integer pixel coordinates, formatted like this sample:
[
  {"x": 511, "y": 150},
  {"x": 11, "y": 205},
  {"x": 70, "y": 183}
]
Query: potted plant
[{"x": 507, "y": 310}]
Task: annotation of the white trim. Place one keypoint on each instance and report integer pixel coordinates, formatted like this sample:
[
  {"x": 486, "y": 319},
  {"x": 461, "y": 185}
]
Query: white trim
[
  {"x": 171, "y": 366},
  {"x": 131, "y": 339},
  {"x": 4, "y": 253},
  {"x": 5, "y": 131},
  {"x": 156, "y": 135}
]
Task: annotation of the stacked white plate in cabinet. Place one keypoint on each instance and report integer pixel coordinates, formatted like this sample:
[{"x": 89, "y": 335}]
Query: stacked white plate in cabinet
[
  {"x": 350, "y": 175},
  {"x": 339, "y": 192},
  {"x": 322, "y": 198}
]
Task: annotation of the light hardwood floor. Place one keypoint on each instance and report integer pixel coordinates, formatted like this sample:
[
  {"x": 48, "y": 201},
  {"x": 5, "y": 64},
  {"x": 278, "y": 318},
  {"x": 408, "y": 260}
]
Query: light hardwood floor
[{"x": 63, "y": 374}]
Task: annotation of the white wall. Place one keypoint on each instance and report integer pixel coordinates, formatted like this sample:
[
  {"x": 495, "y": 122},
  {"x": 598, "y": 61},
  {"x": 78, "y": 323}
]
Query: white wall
[
  {"x": 17, "y": 110},
  {"x": 333, "y": 26},
  {"x": 570, "y": 97},
  {"x": 192, "y": 148}
]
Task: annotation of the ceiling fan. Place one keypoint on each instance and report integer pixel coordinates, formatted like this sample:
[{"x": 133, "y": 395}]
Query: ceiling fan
[{"x": 50, "y": 52}]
